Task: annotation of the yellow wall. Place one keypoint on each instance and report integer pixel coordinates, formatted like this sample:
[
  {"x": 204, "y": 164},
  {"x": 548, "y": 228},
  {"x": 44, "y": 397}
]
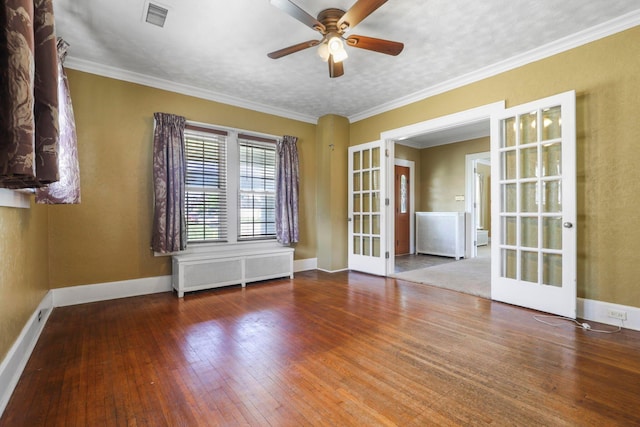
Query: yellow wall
[
  {"x": 607, "y": 81},
  {"x": 331, "y": 216},
  {"x": 107, "y": 237},
  {"x": 24, "y": 268},
  {"x": 442, "y": 175}
]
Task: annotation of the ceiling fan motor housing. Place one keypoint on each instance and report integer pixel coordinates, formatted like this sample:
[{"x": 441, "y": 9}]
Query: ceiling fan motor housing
[{"x": 329, "y": 18}]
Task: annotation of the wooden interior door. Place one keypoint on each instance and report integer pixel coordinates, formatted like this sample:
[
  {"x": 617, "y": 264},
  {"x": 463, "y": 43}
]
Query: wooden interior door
[{"x": 402, "y": 211}]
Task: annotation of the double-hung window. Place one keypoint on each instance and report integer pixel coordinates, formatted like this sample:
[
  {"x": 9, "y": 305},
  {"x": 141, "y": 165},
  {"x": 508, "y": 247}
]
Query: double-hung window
[
  {"x": 257, "y": 191},
  {"x": 206, "y": 185},
  {"x": 230, "y": 186}
]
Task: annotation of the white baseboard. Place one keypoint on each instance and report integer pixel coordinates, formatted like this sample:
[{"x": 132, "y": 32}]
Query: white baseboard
[
  {"x": 16, "y": 359},
  {"x": 105, "y": 291},
  {"x": 596, "y": 311},
  {"x": 305, "y": 264}
]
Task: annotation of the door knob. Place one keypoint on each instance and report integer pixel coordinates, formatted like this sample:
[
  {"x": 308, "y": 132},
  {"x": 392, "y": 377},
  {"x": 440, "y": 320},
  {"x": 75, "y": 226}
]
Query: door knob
[{"x": 567, "y": 225}]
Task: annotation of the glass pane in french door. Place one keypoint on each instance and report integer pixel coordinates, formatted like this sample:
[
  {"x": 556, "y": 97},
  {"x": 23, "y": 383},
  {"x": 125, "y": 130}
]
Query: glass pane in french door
[
  {"x": 366, "y": 202},
  {"x": 531, "y": 197}
]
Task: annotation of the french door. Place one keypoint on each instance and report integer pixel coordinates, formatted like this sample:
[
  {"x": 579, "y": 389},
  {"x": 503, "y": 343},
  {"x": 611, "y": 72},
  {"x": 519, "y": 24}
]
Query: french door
[
  {"x": 367, "y": 195},
  {"x": 534, "y": 205}
]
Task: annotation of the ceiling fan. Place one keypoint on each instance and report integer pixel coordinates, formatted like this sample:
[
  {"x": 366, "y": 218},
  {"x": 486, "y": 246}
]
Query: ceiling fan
[{"x": 332, "y": 24}]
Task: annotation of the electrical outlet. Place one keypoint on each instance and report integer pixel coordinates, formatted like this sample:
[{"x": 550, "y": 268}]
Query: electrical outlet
[{"x": 617, "y": 314}]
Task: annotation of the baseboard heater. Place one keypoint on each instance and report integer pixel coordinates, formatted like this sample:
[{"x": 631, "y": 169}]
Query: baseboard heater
[{"x": 193, "y": 272}]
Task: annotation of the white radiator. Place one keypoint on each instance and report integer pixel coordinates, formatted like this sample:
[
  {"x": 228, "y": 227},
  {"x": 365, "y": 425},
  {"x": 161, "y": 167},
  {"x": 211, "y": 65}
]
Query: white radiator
[
  {"x": 194, "y": 272},
  {"x": 440, "y": 233}
]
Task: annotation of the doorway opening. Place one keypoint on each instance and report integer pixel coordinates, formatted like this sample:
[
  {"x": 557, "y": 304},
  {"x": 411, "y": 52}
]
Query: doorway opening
[
  {"x": 478, "y": 203},
  {"x": 464, "y": 126}
]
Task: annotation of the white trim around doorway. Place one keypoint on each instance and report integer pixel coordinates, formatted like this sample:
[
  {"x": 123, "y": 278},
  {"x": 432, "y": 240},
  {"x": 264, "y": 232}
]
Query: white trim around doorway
[
  {"x": 390, "y": 137},
  {"x": 471, "y": 161}
]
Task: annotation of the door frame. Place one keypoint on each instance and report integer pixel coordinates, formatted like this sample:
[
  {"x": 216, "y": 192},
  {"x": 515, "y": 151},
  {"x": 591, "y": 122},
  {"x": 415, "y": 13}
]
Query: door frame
[
  {"x": 412, "y": 206},
  {"x": 471, "y": 161},
  {"x": 390, "y": 137}
]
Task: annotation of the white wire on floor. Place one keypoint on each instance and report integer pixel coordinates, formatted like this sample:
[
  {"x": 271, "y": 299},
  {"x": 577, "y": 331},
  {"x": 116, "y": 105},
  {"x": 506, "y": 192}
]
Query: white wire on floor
[{"x": 585, "y": 326}]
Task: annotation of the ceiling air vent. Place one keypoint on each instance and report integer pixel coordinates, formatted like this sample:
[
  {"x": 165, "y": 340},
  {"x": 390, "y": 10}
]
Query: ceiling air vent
[{"x": 156, "y": 15}]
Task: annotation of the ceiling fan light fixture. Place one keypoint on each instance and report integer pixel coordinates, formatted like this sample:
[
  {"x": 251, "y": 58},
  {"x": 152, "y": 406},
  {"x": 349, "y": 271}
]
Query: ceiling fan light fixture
[
  {"x": 334, "y": 43},
  {"x": 336, "y": 48},
  {"x": 323, "y": 51},
  {"x": 339, "y": 55}
]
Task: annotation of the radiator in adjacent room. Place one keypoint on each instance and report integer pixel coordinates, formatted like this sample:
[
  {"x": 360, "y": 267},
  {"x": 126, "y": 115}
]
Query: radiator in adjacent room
[{"x": 440, "y": 233}]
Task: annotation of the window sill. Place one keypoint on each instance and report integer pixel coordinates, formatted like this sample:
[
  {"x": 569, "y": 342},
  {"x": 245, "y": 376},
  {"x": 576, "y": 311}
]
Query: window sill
[
  {"x": 15, "y": 198},
  {"x": 218, "y": 248}
]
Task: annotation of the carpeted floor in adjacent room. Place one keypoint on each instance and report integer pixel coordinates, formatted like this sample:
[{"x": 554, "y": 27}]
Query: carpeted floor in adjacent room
[{"x": 471, "y": 276}]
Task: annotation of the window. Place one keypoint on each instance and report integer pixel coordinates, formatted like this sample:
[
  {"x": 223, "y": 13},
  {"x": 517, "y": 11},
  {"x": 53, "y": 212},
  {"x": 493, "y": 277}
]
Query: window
[
  {"x": 230, "y": 186},
  {"x": 206, "y": 186},
  {"x": 257, "y": 190},
  {"x": 403, "y": 193}
]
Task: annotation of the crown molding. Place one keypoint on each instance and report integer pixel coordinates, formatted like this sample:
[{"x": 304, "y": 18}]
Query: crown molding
[
  {"x": 146, "y": 80},
  {"x": 572, "y": 41}
]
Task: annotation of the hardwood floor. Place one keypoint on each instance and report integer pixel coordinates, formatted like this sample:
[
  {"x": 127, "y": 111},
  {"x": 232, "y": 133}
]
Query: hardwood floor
[{"x": 323, "y": 349}]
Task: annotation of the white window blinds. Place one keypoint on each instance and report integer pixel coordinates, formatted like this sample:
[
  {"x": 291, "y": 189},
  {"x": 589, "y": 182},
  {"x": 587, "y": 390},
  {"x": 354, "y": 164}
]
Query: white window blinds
[
  {"x": 206, "y": 185},
  {"x": 257, "y": 190}
]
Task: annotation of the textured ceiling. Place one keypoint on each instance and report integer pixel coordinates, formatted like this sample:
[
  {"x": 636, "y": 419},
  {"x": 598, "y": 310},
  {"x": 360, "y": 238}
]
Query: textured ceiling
[{"x": 220, "y": 47}]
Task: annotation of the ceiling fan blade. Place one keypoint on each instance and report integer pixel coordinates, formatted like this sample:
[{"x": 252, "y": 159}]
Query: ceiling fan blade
[
  {"x": 358, "y": 12},
  {"x": 377, "y": 45},
  {"x": 336, "y": 69},
  {"x": 296, "y": 12},
  {"x": 293, "y": 49}
]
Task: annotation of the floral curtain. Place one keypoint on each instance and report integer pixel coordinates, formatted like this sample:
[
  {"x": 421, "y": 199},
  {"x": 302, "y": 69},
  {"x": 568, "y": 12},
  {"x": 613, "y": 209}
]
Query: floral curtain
[
  {"x": 67, "y": 189},
  {"x": 28, "y": 94},
  {"x": 169, "y": 171},
  {"x": 287, "y": 180}
]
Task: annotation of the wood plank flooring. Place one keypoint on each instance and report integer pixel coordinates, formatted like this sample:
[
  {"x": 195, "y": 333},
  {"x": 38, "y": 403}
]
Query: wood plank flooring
[{"x": 323, "y": 349}]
